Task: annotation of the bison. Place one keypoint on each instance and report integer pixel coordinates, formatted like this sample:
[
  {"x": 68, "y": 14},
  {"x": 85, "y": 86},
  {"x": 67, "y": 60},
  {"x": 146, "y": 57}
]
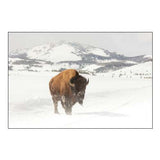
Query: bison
[{"x": 68, "y": 87}]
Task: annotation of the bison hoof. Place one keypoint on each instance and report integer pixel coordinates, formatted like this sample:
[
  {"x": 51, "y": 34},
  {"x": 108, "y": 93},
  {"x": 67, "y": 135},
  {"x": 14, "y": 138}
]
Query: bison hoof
[
  {"x": 56, "y": 112},
  {"x": 69, "y": 113}
]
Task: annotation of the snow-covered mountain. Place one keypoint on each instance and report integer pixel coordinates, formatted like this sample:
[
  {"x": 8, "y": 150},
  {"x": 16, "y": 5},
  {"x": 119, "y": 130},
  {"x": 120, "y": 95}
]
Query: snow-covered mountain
[{"x": 64, "y": 55}]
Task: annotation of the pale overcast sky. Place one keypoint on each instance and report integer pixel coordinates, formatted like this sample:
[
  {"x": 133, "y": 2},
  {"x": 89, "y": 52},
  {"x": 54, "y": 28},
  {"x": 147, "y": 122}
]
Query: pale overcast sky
[{"x": 129, "y": 44}]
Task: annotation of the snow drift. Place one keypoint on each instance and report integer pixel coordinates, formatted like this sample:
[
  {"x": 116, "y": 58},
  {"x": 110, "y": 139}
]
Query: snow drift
[{"x": 109, "y": 103}]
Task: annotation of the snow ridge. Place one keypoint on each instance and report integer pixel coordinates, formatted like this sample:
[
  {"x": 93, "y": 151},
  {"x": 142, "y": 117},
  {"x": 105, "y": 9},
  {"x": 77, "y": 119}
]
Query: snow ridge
[{"x": 63, "y": 55}]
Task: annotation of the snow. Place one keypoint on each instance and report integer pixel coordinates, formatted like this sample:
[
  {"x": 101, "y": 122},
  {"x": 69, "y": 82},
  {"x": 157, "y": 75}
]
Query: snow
[
  {"x": 19, "y": 67},
  {"x": 108, "y": 61},
  {"x": 91, "y": 67},
  {"x": 63, "y": 52},
  {"x": 59, "y": 55},
  {"x": 143, "y": 70},
  {"x": 130, "y": 62},
  {"x": 11, "y": 60},
  {"x": 18, "y": 51},
  {"x": 148, "y": 56},
  {"x": 115, "y": 60},
  {"x": 109, "y": 103},
  {"x": 97, "y": 51},
  {"x": 66, "y": 65}
]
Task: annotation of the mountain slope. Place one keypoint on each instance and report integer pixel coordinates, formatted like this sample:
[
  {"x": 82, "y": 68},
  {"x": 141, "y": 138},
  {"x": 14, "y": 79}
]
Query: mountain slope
[{"x": 64, "y": 55}]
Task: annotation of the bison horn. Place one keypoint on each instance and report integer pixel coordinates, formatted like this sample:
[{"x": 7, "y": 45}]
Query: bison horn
[
  {"x": 87, "y": 82},
  {"x": 71, "y": 84}
]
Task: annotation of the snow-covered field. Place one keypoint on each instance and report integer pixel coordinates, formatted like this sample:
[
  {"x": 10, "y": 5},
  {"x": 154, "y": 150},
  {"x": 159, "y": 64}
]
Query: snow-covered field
[{"x": 110, "y": 102}]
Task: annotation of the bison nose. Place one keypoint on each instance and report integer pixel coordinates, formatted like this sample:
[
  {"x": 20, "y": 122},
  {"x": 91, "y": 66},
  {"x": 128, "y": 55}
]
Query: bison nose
[{"x": 81, "y": 102}]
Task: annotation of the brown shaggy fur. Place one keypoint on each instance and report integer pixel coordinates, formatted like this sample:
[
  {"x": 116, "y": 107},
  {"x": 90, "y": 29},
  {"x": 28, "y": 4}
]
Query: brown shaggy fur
[{"x": 68, "y": 95}]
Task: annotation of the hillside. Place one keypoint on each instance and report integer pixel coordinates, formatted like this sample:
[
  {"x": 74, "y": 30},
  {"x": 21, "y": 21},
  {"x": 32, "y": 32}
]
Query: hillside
[
  {"x": 139, "y": 71},
  {"x": 64, "y": 55}
]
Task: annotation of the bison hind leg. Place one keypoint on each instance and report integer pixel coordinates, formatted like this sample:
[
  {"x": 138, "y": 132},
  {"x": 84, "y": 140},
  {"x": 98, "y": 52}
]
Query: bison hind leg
[
  {"x": 55, "y": 102},
  {"x": 66, "y": 105}
]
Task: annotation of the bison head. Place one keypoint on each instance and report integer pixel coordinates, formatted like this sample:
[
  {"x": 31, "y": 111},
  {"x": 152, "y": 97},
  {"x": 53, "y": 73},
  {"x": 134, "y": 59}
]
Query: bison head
[{"x": 78, "y": 85}]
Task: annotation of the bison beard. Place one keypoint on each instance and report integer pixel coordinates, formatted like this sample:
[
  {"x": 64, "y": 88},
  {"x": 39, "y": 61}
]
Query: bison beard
[{"x": 68, "y": 87}]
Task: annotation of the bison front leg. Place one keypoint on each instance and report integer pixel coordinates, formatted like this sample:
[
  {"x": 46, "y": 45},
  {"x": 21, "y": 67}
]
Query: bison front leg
[
  {"x": 66, "y": 105},
  {"x": 55, "y": 102},
  {"x": 68, "y": 108}
]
